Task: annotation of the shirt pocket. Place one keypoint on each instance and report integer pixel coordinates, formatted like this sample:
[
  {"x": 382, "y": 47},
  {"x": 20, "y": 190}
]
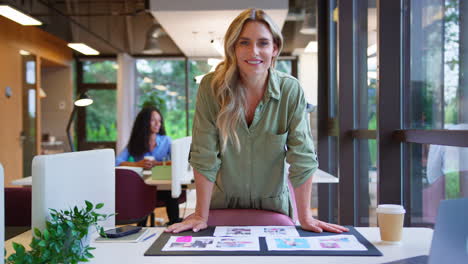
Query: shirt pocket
[{"x": 279, "y": 139}]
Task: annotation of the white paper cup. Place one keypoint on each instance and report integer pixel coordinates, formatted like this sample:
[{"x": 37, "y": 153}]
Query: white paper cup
[
  {"x": 390, "y": 218},
  {"x": 146, "y": 171}
]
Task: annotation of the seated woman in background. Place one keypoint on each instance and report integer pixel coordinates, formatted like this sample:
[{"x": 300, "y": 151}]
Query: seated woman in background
[{"x": 149, "y": 138}]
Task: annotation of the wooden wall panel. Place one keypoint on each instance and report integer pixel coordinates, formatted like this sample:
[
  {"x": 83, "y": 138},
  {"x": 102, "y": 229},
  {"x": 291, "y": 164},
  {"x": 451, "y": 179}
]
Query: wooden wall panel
[
  {"x": 14, "y": 37},
  {"x": 11, "y": 153}
]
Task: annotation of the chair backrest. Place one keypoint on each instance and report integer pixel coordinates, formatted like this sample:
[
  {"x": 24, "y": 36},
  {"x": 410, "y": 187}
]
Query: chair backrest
[
  {"x": 253, "y": 217},
  {"x": 181, "y": 172},
  {"x": 62, "y": 181},
  {"x": 18, "y": 206},
  {"x": 2, "y": 214},
  {"x": 134, "y": 199},
  {"x": 247, "y": 217}
]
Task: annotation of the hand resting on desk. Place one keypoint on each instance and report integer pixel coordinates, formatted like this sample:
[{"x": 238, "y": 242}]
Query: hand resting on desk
[
  {"x": 193, "y": 221},
  {"x": 315, "y": 225},
  {"x": 197, "y": 223}
]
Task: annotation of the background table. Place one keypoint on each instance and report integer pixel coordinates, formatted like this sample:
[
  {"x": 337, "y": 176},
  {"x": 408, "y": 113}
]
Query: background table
[
  {"x": 320, "y": 176},
  {"x": 416, "y": 241}
]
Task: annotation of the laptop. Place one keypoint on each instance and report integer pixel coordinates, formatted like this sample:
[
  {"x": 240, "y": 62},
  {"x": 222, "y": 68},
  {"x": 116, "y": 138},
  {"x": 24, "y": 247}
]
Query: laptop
[{"x": 450, "y": 239}]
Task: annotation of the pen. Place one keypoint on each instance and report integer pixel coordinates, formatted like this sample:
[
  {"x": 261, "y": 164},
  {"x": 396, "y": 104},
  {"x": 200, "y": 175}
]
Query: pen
[{"x": 148, "y": 237}]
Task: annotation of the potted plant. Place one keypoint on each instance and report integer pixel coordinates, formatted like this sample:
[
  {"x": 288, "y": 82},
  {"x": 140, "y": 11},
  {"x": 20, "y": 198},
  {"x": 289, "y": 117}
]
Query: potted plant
[{"x": 65, "y": 238}]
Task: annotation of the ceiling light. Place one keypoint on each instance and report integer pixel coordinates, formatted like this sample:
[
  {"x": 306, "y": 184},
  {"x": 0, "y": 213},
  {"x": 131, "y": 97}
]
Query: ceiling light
[
  {"x": 24, "y": 52},
  {"x": 199, "y": 78},
  {"x": 309, "y": 26},
  {"x": 18, "y": 16},
  {"x": 83, "y": 100},
  {"x": 83, "y": 48},
  {"x": 42, "y": 93},
  {"x": 152, "y": 42},
  {"x": 312, "y": 47},
  {"x": 218, "y": 46}
]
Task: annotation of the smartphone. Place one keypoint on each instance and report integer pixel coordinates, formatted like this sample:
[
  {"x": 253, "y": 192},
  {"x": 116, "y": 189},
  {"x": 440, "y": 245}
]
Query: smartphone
[{"x": 122, "y": 231}]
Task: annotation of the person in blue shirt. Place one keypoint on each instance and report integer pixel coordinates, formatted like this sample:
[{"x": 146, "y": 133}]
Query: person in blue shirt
[{"x": 148, "y": 138}]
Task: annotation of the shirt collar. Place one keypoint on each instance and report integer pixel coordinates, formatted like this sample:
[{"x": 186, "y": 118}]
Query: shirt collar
[
  {"x": 158, "y": 139},
  {"x": 273, "y": 90}
]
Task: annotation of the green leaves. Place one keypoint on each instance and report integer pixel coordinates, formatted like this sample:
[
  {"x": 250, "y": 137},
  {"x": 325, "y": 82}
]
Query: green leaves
[{"x": 61, "y": 240}]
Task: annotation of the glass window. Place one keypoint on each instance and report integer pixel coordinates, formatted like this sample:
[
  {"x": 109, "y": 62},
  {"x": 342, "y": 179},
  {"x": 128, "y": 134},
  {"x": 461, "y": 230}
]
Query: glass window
[
  {"x": 197, "y": 69},
  {"x": 437, "y": 173},
  {"x": 99, "y": 71},
  {"x": 101, "y": 116},
  {"x": 284, "y": 66},
  {"x": 161, "y": 83},
  {"x": 437, "y": 85}
]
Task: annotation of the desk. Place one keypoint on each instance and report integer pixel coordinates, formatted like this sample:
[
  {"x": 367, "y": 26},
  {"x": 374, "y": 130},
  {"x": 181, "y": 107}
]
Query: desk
[
  {"x": 416, "y": 241},
  {"x": 319, "y": 177}
]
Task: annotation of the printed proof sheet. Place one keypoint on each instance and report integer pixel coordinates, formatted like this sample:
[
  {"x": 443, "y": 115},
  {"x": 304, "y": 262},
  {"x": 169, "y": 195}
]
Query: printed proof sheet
[
  {"x": 189, "y": 243},
  {"x": 256, "y": 231},
  {"x": 327, "y": 243}
]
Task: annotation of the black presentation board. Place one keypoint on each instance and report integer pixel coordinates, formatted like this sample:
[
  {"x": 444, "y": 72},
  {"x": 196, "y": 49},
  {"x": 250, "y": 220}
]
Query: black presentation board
[{"x": 155, "y": 248}]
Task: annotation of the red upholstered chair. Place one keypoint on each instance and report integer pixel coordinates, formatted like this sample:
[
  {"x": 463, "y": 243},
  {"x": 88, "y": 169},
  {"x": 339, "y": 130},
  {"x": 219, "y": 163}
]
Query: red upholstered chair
[
  {"x": 18, "y": 206},
  {"x": 252, "y": 217},
  {"x": 134, "y": 200}
]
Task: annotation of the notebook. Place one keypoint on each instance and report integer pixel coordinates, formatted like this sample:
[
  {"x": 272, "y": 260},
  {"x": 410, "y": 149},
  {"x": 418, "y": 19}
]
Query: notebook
[{"x": 450, "y": 239}]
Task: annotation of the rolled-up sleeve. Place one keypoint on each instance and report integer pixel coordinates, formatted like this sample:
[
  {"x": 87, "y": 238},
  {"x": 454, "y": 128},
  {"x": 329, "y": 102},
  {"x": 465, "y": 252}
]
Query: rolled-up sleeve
[
  {"x": 123, "y": 156},
  {"x": 204, "y": 150},
  {"x": 300, "y": 152}
]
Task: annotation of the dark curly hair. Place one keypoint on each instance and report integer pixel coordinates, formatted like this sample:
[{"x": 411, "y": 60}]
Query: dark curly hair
[{"x": 138, "y": 144}]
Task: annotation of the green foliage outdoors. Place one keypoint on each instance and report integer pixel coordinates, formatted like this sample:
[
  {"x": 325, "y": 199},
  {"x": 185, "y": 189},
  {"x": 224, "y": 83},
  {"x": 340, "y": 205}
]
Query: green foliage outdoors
[
  {"x": 104, "y": 71},
  {"x": 452, "y": 185},
  {"x": 171, "y": 75},
  {"x": 62, "y": 239},
  {"x": 101, "y": 116}
]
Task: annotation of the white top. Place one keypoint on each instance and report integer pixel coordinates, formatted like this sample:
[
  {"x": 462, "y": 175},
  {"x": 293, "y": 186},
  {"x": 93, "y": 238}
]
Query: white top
[{"x": 416, "y": 241}]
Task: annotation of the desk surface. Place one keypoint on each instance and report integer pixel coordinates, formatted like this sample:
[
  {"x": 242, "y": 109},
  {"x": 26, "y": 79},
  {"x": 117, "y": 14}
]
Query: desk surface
[{"x": 416, "y": 241}]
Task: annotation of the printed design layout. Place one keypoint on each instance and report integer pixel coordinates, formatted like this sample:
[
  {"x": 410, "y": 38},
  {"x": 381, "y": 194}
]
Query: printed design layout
[
  {"x": 238, "y": 231},
  {"x": 292, "y": 243},
  {"x": 189, "y": 243},
  {"x": 256, "y": 231},
  {"x": 322, "y": 243}
]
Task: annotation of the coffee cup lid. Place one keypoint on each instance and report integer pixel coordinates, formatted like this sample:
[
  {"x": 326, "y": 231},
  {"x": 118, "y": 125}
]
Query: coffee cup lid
[{"x": 390, "y": 209}]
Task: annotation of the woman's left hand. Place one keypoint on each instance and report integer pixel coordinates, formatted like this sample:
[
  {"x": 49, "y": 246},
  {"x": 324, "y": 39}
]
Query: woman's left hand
[{"x": 314, "y": 225}]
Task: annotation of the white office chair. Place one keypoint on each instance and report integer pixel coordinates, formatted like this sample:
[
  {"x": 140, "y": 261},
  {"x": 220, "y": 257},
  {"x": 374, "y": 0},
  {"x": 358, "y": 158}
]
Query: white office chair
[
  {"x": 182, "y": 172},
  {"x": 65, "y": 180}
]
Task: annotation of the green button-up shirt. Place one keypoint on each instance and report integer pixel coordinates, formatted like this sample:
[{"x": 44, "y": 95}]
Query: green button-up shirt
[{"x": 254, "y": 177}]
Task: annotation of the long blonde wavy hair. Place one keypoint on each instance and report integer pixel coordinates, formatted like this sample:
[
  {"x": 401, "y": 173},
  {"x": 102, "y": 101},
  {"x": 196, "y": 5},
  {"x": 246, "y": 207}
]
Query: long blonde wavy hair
[{"x": 230, "y": 96}]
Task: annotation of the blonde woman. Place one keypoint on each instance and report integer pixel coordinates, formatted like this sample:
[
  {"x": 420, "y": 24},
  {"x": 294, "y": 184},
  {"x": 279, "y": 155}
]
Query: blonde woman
[{"x": 248, "y": 119}]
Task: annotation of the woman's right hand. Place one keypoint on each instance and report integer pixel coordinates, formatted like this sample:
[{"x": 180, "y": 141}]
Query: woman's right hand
[
  {"x": 193, "y": 221},
  {"x": 144, "y": 163}
]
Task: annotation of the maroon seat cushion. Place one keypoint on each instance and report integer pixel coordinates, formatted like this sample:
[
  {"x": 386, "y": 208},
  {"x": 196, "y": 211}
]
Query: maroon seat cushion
[
  {"x": 247, "y": 217},
  {"x": 18, "y": 206}
]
